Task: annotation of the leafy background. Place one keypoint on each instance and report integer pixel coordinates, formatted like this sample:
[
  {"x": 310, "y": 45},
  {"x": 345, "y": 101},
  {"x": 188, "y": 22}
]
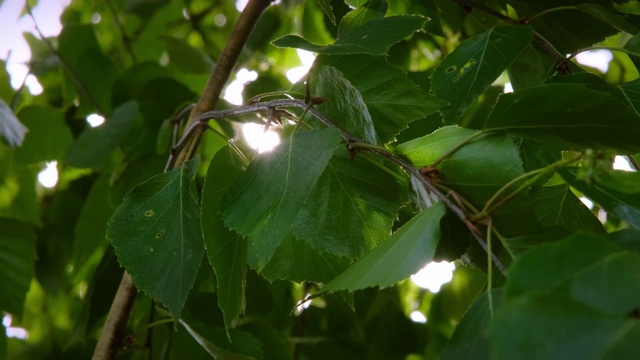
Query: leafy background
[{"x": 224, "y": 247}]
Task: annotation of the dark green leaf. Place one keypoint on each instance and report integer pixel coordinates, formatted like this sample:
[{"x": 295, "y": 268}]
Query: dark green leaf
[
  {"x": 158, "y": 224},
  {"x": 345, "y": 104},
  {"x": 226, "y": 250},
  {"x": 265, "y": 201},
  {"x": 295, "y": 260},
  {"x": 567, "y": 115},
  {"x": 12, "y": 131},
  {"x": 615, "y": 20},
  {"x": 185, "y": 57},
  {"x": 627, "y": 238},
  {"x": 17, "y": 258},
  {"x": 607, "y": 193},
  {"x": 398, "y": 257},
  {"x": 474, "y": 65},
  {"x": 48, "y": 137},
  {"x": 373, "y": 37},
  {"x": 356, "y": 18},
  {"x": 351, "y": 208},
  {"x": 217, "y": 345},
  {"x": 470, "y": 337},
  {"x": 392, "y": 99},
  {"x": 631, "y": 94},
  {"x": 531, "y": 68},
  {"x": 558, "y": 205},
  {"x": 94, "y": 146},
  {"x": 556, "y": 327},
  {"x": 476, "y": 171},
  {"x": 326, "y": 7},
  {"x": 588, "y": 268}
]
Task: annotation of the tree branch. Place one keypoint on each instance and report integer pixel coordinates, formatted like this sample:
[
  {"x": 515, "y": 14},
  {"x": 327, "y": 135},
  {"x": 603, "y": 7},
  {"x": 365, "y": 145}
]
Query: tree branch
[{"x": 109, "y": 342}]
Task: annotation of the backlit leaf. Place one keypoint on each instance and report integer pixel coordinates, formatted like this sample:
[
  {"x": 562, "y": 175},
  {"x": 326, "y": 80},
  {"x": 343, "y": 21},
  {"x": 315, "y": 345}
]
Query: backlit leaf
[
  {"x": 567, "y": 115},
  {"x": 328, "y": 10},
  {"x": 157, "y": 237},
  {"x": 265, "y": 201},
  {"x": 48, "y": 137},
  {"x": 398, "y": 257},
  {"x": 185, "y": 57},
  {"x": 226, "y": 250},
  {"x": 373, "y": 37},
  {"x": 558, "y": 205},
  {"x": 474, "y": 65}
]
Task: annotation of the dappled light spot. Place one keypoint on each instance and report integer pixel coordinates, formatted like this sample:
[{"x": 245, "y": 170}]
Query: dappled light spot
[{"x": 434, "y": 275}]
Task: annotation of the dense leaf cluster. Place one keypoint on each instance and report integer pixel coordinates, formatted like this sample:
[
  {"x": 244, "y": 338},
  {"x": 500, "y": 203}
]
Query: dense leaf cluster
[{"x": 403, "y": 148}]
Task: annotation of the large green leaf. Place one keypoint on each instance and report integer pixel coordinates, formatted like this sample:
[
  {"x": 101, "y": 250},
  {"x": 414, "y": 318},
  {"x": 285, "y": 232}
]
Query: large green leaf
[
  {"x": 185, "y": 57},
  {"x": 618, "y": 198},
  {"x": 157, "y": 237},
  {"x": 238, "y": 346},
  {"x": 373, "y": 37},
  {"x": 567, "y": 115},
  {"x": 94, "y": 146},
  {"x": 557, "y": 327},
  {"x": 226, "y": 250},
  {"x": 398, "y": 257},
  {"x": 558, "y": 205},
  {"x": 295, "y": 260},
  {"x": 48, "y": 136},
  {"x": 592, "y": 270},
  {"x": 17, "y": 258},
  {"x": 470, "y": 337},
  {"x": 474, "y": 65},
  {"x": 351, "y": 209},
  {"x": 392, "y": 99},
  {"x": 345, "y": 104},
  {"x": 265, "y": 201},
  {"x": 477, "y": 171}
]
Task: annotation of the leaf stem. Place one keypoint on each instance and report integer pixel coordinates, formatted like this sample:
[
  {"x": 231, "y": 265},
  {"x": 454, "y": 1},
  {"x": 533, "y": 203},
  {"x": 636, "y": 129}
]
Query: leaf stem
[
  {"x": 471, "y": 4},
  {"x": 456, "y": 148},
  {"x": 534, "y": 175},
  {"x": 550, "y": 11}
]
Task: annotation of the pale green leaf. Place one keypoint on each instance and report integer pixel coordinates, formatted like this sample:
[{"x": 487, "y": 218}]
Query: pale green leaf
[
  {"x": 265, "y": 201},
  {"x": 17, "y": 259},
  {"x": 185, "y": 57},
  {"x": 157, "y": 237},
  {"x": 373, "y": 37},
  {"x": 475, "y": 64},
  {"x": 351, "y": 208},
  {"x": 569, "y": 116},
  {"x": 344, "y": 104},
  {"x": 398, "y": 257},
  {"x": 226, "y": 250}
]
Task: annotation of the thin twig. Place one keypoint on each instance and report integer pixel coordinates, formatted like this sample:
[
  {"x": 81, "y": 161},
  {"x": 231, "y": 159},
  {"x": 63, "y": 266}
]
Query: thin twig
[
  {"x": 471, "y": 4},
  {"x": 79, "y": 83},
  {"x": 126, "y": 41}
]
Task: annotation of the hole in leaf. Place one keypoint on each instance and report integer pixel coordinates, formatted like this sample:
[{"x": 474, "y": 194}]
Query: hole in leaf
[
  {"x": 159, "y": 234},
  {"x": 149, "y": 213},
  {"x": 451, "y": 69}
]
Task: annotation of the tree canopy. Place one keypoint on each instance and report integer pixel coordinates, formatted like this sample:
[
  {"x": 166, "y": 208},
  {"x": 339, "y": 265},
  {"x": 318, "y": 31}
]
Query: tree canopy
[{"x": 461, "y": 130}]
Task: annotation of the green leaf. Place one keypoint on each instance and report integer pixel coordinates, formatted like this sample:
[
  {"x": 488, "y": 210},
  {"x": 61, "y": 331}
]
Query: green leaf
[
  {"x": 474, "y": 65},
  {"x": 219, "y": 347},
  {"x": 398, "y": 257},
  {"x": 295, "y": 260},
  {"x": 560, "y": 328},
  {"x": 158, "y": 225},
  {"x": 375, "y": 9},
  {"x": 345, "y": 104},
  {"x": 351, "y": 208},
  {"x": 631, "y": 94},
  {"x": 48, "y": 137},
  {"x": 17, "y": 259},
  {"x": 94, "y": 146},
  {"x": 12, "y": 131},
  {"x": 265, "y": 201},
  {"x": 373, "y": 37},
  {"x": 392, "y": 99},
  {"x": 607, "y": 193},
  {"x": 185, "y": 57},
  {"x": 226, "y": 250},
  {"x": 558, "y": 205},
  {"x": 615, "y": 20},
  {"x": 586, "y": 267},
  {"x": 469, "y": 341},
  {"x": 567, "y": 115},
  {"x": 325, "y": 5},
  {"x": 476, "y": 171}
]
